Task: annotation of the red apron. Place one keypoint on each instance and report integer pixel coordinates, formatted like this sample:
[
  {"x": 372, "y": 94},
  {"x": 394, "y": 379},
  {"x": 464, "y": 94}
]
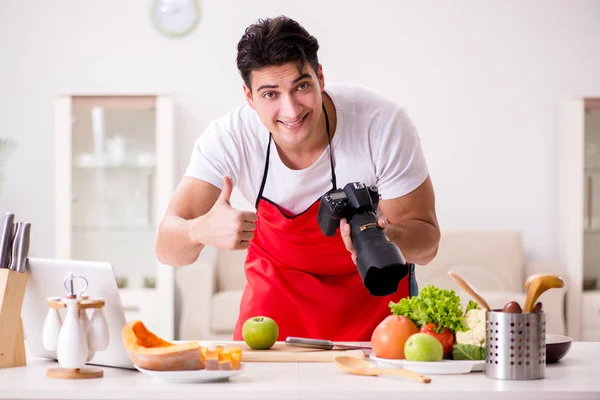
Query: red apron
[{"x": 306, "y": 281}]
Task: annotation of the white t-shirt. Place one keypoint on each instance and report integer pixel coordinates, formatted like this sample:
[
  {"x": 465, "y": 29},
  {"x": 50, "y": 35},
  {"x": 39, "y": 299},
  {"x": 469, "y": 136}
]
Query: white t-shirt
[{"x": 374, "y": 143}]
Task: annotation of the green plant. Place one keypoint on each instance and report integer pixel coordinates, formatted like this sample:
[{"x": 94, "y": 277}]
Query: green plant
[{"x": 6, "y": 147}]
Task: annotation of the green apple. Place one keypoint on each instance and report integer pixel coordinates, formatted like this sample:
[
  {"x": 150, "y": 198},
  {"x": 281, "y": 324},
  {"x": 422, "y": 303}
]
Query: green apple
[
  {"x": 423, "y": 347},
  {"x": 260, "y": 333}
]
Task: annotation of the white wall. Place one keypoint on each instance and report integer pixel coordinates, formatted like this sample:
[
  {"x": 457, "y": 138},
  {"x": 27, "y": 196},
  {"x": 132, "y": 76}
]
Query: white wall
[{"x": 481, "y": 79}]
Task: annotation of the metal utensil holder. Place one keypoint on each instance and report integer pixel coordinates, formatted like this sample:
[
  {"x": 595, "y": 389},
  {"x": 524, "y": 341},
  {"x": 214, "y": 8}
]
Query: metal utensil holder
[{"x": 515, "y": 345}]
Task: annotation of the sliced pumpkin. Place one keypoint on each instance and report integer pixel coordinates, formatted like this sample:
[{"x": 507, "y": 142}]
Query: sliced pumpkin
[
  {"x": 148, "y": 351},
  {"x": 222, "y": 358},
  {"x": 230, "y": 358}
]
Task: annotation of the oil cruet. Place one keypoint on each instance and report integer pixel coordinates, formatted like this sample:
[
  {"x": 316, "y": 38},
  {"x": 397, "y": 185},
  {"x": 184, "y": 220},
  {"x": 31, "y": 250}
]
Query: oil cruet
[{"x": 72, "y": 350}]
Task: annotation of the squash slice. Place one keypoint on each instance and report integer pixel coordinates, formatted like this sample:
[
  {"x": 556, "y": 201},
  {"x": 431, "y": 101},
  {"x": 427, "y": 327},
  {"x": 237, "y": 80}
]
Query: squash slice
[{"x": 148, "y": 351}]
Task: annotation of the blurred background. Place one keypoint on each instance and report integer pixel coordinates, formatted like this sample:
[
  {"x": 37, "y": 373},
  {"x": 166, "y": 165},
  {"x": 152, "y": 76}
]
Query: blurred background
[{"x": 484, "y": 82}]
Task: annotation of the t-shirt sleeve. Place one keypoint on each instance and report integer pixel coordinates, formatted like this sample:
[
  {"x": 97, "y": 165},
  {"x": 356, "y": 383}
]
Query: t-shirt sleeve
[
  {"x": 214, "y": 156},
  {"x": 400, "y": 163}
]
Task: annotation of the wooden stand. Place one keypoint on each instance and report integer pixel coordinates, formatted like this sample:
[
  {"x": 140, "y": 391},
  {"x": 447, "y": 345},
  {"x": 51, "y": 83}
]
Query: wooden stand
[
  {"x": 77, "y": 373},
  {"x": 12, "y": 339},
  {"x": 82, "y": 305}
]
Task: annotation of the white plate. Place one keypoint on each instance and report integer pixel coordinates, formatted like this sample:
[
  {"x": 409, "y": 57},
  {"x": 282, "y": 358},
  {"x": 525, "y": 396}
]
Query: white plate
[
  {"x": 444, "y": 367},
  {"x": 198, "y": 376}
]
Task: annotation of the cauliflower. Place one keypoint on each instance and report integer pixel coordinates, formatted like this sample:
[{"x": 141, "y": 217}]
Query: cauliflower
[{"x": 475, "y": 321}]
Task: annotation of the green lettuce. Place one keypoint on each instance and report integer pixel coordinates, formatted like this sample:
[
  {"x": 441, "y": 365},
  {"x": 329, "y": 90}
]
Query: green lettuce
[
  {"x": 472, "y": 306},
  {"x": 433, "y": 305},
  {"x": 468, "y": 352}
]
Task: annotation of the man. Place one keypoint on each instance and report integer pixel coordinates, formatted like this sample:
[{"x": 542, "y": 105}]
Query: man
[{"x": 291, "y": 143}]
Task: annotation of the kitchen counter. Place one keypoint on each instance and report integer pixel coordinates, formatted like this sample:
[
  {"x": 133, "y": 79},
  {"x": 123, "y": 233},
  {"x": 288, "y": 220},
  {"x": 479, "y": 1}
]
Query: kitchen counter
[{"x": 577, "y": 376}]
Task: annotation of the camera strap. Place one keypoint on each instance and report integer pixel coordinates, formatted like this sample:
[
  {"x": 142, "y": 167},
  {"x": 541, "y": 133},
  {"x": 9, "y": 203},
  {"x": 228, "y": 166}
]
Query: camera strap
[{"x": 266, "y": 169}]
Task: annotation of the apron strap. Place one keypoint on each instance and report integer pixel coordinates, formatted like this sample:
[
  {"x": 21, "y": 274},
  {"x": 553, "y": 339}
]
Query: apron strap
[
  {"x": 333, "y": 179},
  {"x": 266, "y": 169}
]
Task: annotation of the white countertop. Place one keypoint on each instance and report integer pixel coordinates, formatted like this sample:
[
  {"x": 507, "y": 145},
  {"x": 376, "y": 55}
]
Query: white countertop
[{"x": 577, "y": 376}]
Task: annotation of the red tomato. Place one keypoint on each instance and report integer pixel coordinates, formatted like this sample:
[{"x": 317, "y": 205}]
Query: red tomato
[
  {"x": 445, "y": 337},
  {"x": 391, "y": 334}
]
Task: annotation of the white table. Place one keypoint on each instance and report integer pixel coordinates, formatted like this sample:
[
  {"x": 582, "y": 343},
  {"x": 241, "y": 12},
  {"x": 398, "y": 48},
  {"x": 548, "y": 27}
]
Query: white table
[{"x": 577, "y": 376}]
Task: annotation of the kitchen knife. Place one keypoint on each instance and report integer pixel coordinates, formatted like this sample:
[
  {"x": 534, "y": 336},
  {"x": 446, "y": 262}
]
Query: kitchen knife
[
  {"x": 20, "y": 247},
  {"x": 14, "y": 247},
  {"x": 321, "y": 344},
  {"x": 6, "y": 235},
  {"x": 25, "y": 250}
]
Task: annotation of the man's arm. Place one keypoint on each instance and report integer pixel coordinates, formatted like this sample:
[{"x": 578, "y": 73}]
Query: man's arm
[
  {"x": 413, "y": 224},
  {"x": 176, "y": 244}
]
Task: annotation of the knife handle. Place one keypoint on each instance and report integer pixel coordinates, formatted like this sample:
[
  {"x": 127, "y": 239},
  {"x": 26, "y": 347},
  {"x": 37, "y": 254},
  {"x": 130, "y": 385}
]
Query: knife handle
[
  {"x": 24, "y": 246},
  {"x": 6, "y": 235},
  {"x": 15, "y": 247},
  {"x": 309, "y": 343}
]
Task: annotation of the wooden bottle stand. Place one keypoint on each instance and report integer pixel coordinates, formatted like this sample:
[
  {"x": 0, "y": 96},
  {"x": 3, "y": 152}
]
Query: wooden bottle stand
[
  {"x": 12, "y": 339},
  {"x": 86, "y": 372}
]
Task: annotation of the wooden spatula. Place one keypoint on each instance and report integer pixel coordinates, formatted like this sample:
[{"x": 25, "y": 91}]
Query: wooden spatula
[
  {"x": 467, "y": 288},
  {"x": 362, "y": 367},
  {"x": 536, "y": 285}
]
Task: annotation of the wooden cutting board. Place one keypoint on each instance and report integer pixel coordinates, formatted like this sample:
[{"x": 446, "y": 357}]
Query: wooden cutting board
[{"x": 282, "y": 353}]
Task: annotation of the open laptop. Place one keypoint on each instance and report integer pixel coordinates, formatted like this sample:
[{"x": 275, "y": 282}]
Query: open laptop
[{"x": 45, "y": 279}]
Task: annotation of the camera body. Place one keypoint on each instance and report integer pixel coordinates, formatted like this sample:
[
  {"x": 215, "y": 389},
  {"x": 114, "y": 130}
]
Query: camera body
[
  {"x": 343, "y": 203},
  {"x": 380, "y": 263}
]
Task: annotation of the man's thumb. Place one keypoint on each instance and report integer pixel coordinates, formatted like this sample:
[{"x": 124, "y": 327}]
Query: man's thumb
[{"x": 226, "y": 191}]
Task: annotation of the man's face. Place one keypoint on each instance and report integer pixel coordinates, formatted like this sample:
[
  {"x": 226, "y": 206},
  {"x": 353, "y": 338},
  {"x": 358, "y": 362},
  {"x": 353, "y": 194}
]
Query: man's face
[{"x": 287, "y": 102}]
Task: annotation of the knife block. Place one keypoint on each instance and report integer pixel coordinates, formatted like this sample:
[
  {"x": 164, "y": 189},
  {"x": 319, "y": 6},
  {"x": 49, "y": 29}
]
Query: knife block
[{"x": 12, "y": 339}]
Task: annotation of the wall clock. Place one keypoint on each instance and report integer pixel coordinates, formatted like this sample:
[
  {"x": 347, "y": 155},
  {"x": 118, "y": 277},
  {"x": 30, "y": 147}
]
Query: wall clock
[{"x": 175, "y": 17}]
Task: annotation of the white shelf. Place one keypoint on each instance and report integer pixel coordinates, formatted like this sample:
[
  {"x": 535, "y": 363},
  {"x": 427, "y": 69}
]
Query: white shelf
[
  {"x": 118, "y": 167},
  {"x": 113, "y": 229},
  {"x": 114, "y": 178},
  {"x": 141, "y": 161}
]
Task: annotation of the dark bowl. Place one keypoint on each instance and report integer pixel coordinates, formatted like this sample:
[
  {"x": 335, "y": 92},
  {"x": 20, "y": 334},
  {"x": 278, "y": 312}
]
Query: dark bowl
[{"x": 557, "y": 346}]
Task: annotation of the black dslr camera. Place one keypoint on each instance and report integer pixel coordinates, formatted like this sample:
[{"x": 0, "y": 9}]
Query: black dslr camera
[{"x": 380, "y": 263}]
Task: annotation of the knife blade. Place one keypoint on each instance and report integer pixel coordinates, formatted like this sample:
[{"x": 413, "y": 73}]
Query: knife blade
[
  {"x": 321, "y": 344},
  {"x": 6, "y": 236}
]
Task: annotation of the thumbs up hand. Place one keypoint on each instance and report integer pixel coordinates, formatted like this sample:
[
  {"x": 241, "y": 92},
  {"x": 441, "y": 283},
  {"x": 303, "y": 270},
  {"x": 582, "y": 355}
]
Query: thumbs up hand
[
  {"x": 226, "y": 191},
  {"x": 225, "y": 227}
]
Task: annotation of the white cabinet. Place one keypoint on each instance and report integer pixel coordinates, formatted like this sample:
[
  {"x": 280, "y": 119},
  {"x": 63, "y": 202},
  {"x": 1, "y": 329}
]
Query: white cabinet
[
  {"x": 579, "y": 213},
  {"x": 591, "y": 316},
  {"x": 114, "y": 178}
]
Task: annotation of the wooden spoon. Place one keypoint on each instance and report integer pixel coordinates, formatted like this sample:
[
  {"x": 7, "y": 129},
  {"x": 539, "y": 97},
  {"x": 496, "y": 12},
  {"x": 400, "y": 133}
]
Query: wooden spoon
[
  {"x": 357, "y": 366},
  {"x": 536, "y": 285},
  {"x": 463, "y": 284}
]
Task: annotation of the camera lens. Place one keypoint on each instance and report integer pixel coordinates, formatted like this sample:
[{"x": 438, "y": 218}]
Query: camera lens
[{"x": 380, "y": 262}]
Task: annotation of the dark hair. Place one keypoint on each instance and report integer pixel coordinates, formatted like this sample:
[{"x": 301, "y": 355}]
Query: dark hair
[{"x": 275, "y": 41}]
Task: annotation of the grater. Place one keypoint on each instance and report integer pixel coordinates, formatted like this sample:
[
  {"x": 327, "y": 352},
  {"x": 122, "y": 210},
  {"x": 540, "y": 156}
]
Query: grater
[{"x": 515, "y": 345}]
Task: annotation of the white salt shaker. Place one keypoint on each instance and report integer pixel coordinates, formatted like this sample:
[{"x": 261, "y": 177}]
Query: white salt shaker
[
  {"x": 99, "y": 330},
  {"x": 72, "y": 351},
  {"x": 52, "y": 326},
  {"x": 87, "y": 328},
  {"x": 85, "y": 322}
]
